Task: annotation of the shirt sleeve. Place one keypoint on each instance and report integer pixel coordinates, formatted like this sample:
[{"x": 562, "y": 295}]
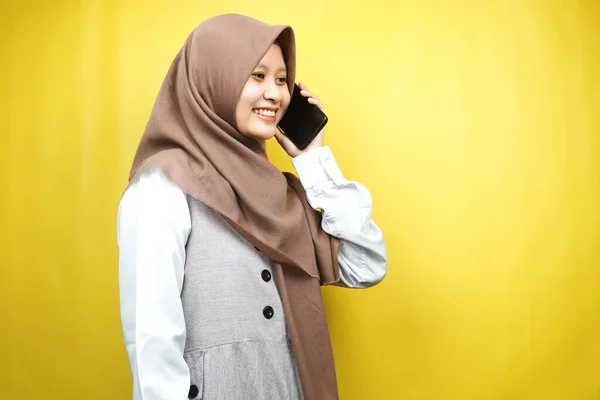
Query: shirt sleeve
[
  {"x": 152, "y": 230},
  {"x": 346, "y": 207}
]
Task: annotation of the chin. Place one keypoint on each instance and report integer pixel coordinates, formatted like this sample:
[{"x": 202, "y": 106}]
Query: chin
[{"x": 262, "y": 134}]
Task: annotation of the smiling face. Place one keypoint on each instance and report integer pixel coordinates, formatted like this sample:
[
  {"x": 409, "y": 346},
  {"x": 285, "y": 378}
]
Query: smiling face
[{"x": 264, "y": 99}]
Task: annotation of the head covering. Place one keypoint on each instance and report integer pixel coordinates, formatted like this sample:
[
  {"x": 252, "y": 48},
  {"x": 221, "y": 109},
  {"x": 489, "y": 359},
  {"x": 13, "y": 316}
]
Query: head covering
[{"x": 191, "y": 137}]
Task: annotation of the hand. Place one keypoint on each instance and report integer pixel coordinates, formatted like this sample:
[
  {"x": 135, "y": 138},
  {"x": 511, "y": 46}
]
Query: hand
[{"x": 317, "y": 142}]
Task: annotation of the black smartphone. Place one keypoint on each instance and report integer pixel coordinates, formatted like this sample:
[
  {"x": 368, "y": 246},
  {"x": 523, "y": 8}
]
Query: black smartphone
[{"x": 302, "y": 121}]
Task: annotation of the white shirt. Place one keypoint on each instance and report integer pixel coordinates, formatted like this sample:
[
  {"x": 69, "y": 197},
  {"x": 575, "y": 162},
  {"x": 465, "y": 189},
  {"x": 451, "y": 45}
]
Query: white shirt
[{"x": 153, "y": 226}]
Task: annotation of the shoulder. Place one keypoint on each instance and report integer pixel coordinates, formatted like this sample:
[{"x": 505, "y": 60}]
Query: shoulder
[
  {"x": 152, "y": 185},
  {"x": 153, "y": 194}
]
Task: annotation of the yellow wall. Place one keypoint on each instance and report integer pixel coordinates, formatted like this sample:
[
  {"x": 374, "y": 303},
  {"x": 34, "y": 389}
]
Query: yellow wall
[{"x": 476, "y": 128}]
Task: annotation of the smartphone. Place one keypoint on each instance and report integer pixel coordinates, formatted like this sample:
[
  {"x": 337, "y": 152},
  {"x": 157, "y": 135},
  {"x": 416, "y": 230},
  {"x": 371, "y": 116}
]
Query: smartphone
[{"x": 302, "y": 121}]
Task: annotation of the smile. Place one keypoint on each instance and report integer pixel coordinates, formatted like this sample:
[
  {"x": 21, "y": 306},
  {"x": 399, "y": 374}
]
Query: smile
[{"x": 265, "y": 112}]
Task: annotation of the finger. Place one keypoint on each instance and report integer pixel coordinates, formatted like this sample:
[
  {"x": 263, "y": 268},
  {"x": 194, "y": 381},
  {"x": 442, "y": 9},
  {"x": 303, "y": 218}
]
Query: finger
[
  {"x": 305, "y": 91},
  {"x": 316, "y": 102},
  {"x": 313, "y": 99},
  {"x": 283, "y": 140},
  {"x": 286, "y": 144},
  {"x": 279, "y": 137},
  {"x": 308, "y": 93}
]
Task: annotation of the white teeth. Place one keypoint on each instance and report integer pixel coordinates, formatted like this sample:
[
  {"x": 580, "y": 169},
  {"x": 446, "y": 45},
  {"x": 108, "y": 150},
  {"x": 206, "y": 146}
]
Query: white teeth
[{"x": 268, "y": 113}]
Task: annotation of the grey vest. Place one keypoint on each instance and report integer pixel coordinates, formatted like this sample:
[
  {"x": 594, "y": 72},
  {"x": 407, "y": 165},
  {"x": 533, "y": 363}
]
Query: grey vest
[{"x": 237, "y": 345}]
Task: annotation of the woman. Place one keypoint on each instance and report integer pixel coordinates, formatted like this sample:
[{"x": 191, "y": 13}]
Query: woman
[{"x": 221, "y": 255}]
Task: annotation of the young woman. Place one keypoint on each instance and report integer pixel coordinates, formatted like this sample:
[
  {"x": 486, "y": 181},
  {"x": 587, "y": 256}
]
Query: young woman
[{"x": 222, "y": 255}]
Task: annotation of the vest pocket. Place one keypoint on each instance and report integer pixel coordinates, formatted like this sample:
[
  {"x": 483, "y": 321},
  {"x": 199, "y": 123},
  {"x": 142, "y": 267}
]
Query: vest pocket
[{"x": 195, "y": 362}]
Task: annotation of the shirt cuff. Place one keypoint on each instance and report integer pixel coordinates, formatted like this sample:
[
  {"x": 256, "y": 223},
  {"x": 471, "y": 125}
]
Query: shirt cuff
[{"x": 317, "y": 166}]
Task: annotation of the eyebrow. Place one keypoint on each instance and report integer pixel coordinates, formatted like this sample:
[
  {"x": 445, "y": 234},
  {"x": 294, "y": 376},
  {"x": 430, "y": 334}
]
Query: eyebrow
[{"x": 282, "y": 69}]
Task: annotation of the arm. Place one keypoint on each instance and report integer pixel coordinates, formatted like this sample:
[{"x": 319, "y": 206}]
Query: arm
[
  {"x": 346, "y": 207},
  {"x": 153, "y": 227}
]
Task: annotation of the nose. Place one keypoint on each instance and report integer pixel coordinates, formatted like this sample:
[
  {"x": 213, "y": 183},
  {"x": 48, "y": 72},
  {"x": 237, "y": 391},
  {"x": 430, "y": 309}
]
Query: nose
[{"x": 272, "y": 92}]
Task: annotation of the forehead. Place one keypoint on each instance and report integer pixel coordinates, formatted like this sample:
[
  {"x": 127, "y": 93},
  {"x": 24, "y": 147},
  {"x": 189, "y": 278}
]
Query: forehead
[{"x": 273, "y": 59}]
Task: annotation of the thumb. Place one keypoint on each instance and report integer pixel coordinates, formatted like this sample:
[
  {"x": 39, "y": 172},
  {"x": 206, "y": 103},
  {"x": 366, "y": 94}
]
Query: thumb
[
  {"x": 279, "y": 137},
  {"x": 286, "y": 144}
]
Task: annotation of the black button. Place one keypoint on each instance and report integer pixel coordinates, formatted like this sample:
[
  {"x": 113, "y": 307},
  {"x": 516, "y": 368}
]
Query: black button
[
  {"x": 266, "y": 275},
  {"x": 194, "y": 391},
  {"x": 268, "y": 312}
]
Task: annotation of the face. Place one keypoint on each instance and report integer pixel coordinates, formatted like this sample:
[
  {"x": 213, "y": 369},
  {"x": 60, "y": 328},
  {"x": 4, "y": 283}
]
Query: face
[{"x": 264, "y": 98}]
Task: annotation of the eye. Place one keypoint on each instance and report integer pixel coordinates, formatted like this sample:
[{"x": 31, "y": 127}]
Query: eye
[
  {"x": 282, "y": 80},
  {"x": 259, "y": 75}
]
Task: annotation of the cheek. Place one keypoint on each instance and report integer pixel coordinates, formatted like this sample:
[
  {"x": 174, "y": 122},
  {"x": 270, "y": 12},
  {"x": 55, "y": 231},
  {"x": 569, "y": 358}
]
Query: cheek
[
  {"x": 239, "y": 116},
  {"x": 285, "y": 99},
  {"x": 246, "y": 101},
  {"x": 242, "y": 112}
]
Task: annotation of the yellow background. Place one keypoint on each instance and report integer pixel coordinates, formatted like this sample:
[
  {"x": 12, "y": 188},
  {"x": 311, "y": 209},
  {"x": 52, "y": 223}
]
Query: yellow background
[{"x": 475, "y": 125}]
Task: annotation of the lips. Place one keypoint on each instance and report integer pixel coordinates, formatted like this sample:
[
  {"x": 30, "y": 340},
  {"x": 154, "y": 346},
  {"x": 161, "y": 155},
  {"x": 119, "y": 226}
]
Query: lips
[{"x": 266, "y": 114}]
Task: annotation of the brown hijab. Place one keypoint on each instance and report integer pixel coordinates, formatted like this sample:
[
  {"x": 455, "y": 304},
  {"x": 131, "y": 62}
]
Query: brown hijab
[{"x": 192, "y": 138}]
